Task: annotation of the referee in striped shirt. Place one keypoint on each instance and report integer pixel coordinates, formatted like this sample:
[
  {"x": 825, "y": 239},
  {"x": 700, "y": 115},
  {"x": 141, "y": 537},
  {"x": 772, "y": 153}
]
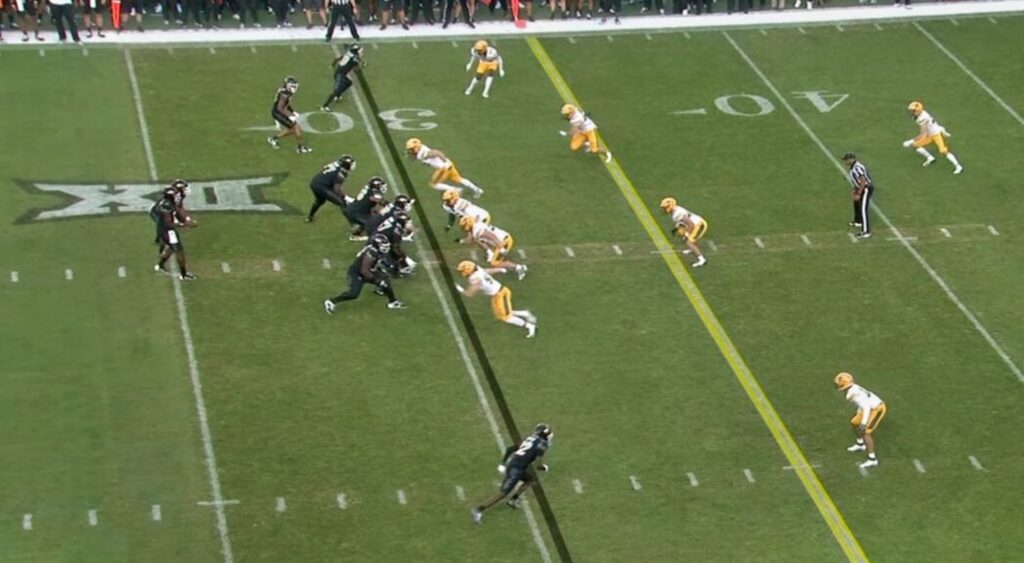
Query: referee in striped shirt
[{"x": 863, "y": 189}]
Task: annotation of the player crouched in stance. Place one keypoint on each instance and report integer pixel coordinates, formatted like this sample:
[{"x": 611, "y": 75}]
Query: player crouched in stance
[
  {"x": 488, "y": 62},
  {"x": 444, "y": 168},
  {"x": 688, "y": 225},
  {"x": 930, "y": 132},
  {"x": 169, "y": 213},
  {"x": 360, "y": 210},
  {"x": 870, "y": 412},
  {"x": 343, "y": 65},
  {"x": 286, "y": 117},
  {"x": 583, "y": 132},
  {"x": 370, "y": 266},
  {"x": 457, "y": 208},
  {"x": 480, "y": 279},
  {"x": 327, "y": 184},
  {"x": 495, "y": 241},
  {"x": 515, "y": 466},
  {"x": 396, "y": 225}
]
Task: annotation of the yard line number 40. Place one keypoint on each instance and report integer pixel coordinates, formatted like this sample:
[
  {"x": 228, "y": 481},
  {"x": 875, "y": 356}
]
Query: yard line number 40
[{"x": 752, "y": 105}]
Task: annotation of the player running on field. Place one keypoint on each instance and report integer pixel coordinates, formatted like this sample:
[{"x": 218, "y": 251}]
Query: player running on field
[
  {"x": 870, "y": 412},
  {"x": 286, "y": 117},
  {"x": 370, "y": 266},
  {"x": 488, "y": 62},
  {"x": 444, "y": 168},
  {"x": 515, "y": 466},
  {"x": 688, "y": 225},
  {"x": 495, "y": 241},
  {"x": 930, "y": 132},
  {"x": 480, "y": 279},
  {"x": 343, "y": 65},
  {"x": 583, "y": 132},
  {"x": 457, "y": 208}
]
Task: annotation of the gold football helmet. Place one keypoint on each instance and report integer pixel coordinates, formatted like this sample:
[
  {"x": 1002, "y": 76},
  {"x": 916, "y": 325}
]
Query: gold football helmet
[{"x": 843, "y": 381}]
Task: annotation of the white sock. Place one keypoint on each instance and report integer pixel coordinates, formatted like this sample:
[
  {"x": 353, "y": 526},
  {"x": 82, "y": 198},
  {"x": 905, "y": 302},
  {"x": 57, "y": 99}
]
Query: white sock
[
  {"x": 469, "y": 184},
  {"x": 952, "y": 158},
  {"x": 487, "y": 85},
  {"x": 472, "y": 85},
  {"x": 924, "y": 152},
  {"x": 516, "y": 321},
  {"x": 441, "y": 186}
]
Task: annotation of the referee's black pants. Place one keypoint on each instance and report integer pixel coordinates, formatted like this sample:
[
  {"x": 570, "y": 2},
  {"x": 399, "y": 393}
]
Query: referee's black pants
[
  {"x": 862, "y": 208},
  {"x": 339, "y": 11}
]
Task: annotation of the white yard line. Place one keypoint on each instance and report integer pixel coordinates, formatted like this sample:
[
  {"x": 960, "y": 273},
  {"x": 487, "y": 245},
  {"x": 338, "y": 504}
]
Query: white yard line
[
  {"x": 42, "y": 53},
  {"x": 919, "y": 466},
  {"x": 186, "y": 334},
  {"x": 839, "y": 28},
  {"x": 68, "y": 274},
  {"x": 326, "y": 264},
  {"x": 401, "y": 497},
  {"x": 970, "y": 73},
  {"x": 807, "y": 240},
  {"x": 993, "y": 20},
  {"x": 648, "y": 37},
  {"x": 252, "y": 48},
  {"x": 460, "y": 493},
  {"x": 634, "y": 482},
  {"x": 122, "y": 272},
  {"x": 295, "y": 48},
  {"x": 693, "y": 479},
  {"x": 93, "y": 517},
  {"x": 218, "y": 502},
  {"x": 225, "y": 267},
  {"x": 977, "y": 464},
  {"x": 571, "y": 40},
  {"x": 570, "y": 252},
  {"x": 993, "y": 230},
  {"x": 763, "y": 32},
  {"x": 85, "y": 52},
  {"x": 275, "y": 265},
  {"x": 454, "y": 43},
  {"x": 415, "y": 45},
  {"x": 853, "y": 238},
  {"x": 712, "y": 245},
  {"x": 26, "y": 522},
  {"x": 342, "y": 501},
  {"x": 802, "y": 30},
  {"x": 686, "y": 34},
  {"x": 453, "y": 328},
  {"x": 156, "y": 513},
  {"x": 617, "y": 249},
  {"x": 14, "y": 277},
  {"x": 749, "y": 475},
  {"x": 609, "y": 38},
  {"x": 945, "y": 232},
  {"x": 863, "y": 470},
  {"x": 577, "y": 486},
  {"x": 521, "y": 253},
  {"x": 281, "y": 505},
  {"x": 213, "y": 51},
  {"x": 878, "y": 27},
  {"x": 885, "y": 219},
  {"x": 759, "y": 242},
  {"x": 954, "y": 22}
]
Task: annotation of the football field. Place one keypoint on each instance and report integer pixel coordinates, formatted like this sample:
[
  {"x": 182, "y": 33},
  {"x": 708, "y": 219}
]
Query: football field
[{"x": 230, "y": 419}]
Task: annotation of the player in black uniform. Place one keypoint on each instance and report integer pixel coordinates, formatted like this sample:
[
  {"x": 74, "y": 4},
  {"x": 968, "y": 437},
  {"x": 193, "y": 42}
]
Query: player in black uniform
[
  {"x": 516, "y": 468},
  {"x": 370, "y": 266},
  {"x": 396, "y": 226},
  {"x": 326, "y": 185},
  {"x": 286, "y": 117},
  {"x": 360, "y": 211},
  {"x": 169, "y": 213},
  {"x": 343, "y": 65}
]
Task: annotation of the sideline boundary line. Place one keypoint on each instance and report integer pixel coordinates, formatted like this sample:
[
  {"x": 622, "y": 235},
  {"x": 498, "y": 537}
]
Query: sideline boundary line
[
  {"x": 460, "y": 343},
  {"x": 186, "y": 335},
  {"x": 905, "y": 241},
  {"x": 968, "y": 72},
  {"x": 808, "y": 477}
]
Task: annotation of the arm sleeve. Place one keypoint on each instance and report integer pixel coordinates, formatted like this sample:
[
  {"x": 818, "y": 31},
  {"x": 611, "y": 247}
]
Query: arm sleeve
[{"x": 508, "y": 453}]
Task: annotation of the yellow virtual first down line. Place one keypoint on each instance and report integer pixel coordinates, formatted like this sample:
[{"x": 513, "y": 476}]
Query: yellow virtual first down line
[{"x": 826, "y": 506}]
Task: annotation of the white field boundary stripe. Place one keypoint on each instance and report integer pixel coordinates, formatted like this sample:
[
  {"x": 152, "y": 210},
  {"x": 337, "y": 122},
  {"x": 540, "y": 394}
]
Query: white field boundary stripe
[
  {"x": 744, "y": 376},
  {"x": 956, "y": 60},
  {"x": 453, "y": 327},
  {"x": 186, "y": 334},
  {"x": 885, "y": 219}
]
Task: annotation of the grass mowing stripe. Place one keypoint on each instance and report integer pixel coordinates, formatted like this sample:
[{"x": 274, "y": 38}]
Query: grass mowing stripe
[
  {"x": 968, "y": 72},
  {"x": 905, "y": 241},
  {"x": 186, "y": 335},
  {"x": 445, "y": 309},
  {"x": 826, "y": 506}
]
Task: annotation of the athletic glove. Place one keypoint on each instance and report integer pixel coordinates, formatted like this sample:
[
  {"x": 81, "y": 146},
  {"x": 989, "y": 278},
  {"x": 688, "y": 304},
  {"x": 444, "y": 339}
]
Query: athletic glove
[{"x": 542, "y": 467}]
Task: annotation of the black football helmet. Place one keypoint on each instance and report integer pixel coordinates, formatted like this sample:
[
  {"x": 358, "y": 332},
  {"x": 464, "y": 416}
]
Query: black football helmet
[
  {"x": 291, "y": 84},
  {"x": 402, "y": 202},
  {"x": 381, "y": 243},
  {"x": 402, "y": 219},
  {"x": 543, "y": 431},
  {"x": 347, "y": 163},
  {"x": 356, "y": 49},
  {"x": 378, "y": 185},
  {"x": 181, "y": 186}
]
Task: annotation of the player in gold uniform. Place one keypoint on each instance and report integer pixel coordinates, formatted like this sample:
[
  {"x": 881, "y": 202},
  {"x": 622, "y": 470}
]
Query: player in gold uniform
[
  {"x": 488, "y": 63},
  {"x": 480, "y": 279},
  {"x": 930, "y": 133},
  {"x": 495, "y": 241},
  {"x": 583, "y": 132},
  {"x": 688, "y": 225},
  {"x": 444, "y": 168}
]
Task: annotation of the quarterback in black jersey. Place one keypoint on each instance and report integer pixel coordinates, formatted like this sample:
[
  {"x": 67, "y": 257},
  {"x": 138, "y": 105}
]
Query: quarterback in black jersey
[
  {"x": 370, "y": 266},
  {"x": 343, "y": 65},
  {"x": 286, "y": 117},
  {"x": 516, "y": 466},
  {"x": 169, "y": 213},
  {"x": 327, "y": 184}
]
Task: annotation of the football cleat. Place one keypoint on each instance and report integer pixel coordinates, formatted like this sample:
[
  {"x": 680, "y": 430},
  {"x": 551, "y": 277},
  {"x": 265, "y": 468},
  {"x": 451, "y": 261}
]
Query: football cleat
[
  {"x": 958, "y": 170},
  {"x": 854, "y": 224},
  {"x": 186, "y": 276},
  {"x": 863, "y": 235},
  {"x": 700, "y": 262},
  {"x": 869, "y": 463},
  {"x": 531, "y": 330},
  {"x": 325, "y": 109},
  {"x": 160, "y": 269},
  {"x": 304, "y": 149},
  {"x": 929, "y": 161},
  {"x": 521, "y": 271},
  {"x": 843, "y": 380},
  {"x": 512, "y": 503},
  {"x": 329, "y": 307},
  {"x": 397, "y": 305},
  {"x": 607, "y": 156},
  {"x": 857, "y": 448},
  {"x": 476, "y": 514}
]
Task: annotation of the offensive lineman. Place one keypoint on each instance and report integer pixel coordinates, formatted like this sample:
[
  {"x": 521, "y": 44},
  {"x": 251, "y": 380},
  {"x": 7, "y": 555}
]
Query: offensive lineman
[
  {"x": 688, "y": 225},
  {"x": 515, "y": 465},
  {"x": 870, "y": 412},
  {"x": 343, "y": 65},
  {"x": 360, "y": 211},
  {"x": 930, "y": 132},
  {"x": 480, "y": 279},
  {"x": 488, "y": 61},
  {"x": 370, "y": 266},
  {"x": 583, "y": 132},
  {"x": 444, "y": 168},
  {"x": 326, "y": 185},
  {"x": 496, "y": 241},
  {"x": 286, "y": 117}
]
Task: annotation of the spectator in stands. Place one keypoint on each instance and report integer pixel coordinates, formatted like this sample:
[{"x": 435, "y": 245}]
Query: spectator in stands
[
  {"x": 92, "y": 16},
  {"x": 427, "y": 6},
  {"x": 253, "y": 8},
  {"x": 281, "y": 8},
  {"x": 310, "y": 6},
  {"x": 613, "y": 7},
  {"x": 130, "y": 7},
  {"x": 28, "y": 17},
  {"x": 63, "y": 13},
  {"x": 449, "y": 7}
]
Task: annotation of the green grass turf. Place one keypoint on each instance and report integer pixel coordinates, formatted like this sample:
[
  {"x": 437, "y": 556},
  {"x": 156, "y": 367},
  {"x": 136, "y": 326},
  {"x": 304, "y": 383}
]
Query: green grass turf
[{"x": 305, "y": 406}]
